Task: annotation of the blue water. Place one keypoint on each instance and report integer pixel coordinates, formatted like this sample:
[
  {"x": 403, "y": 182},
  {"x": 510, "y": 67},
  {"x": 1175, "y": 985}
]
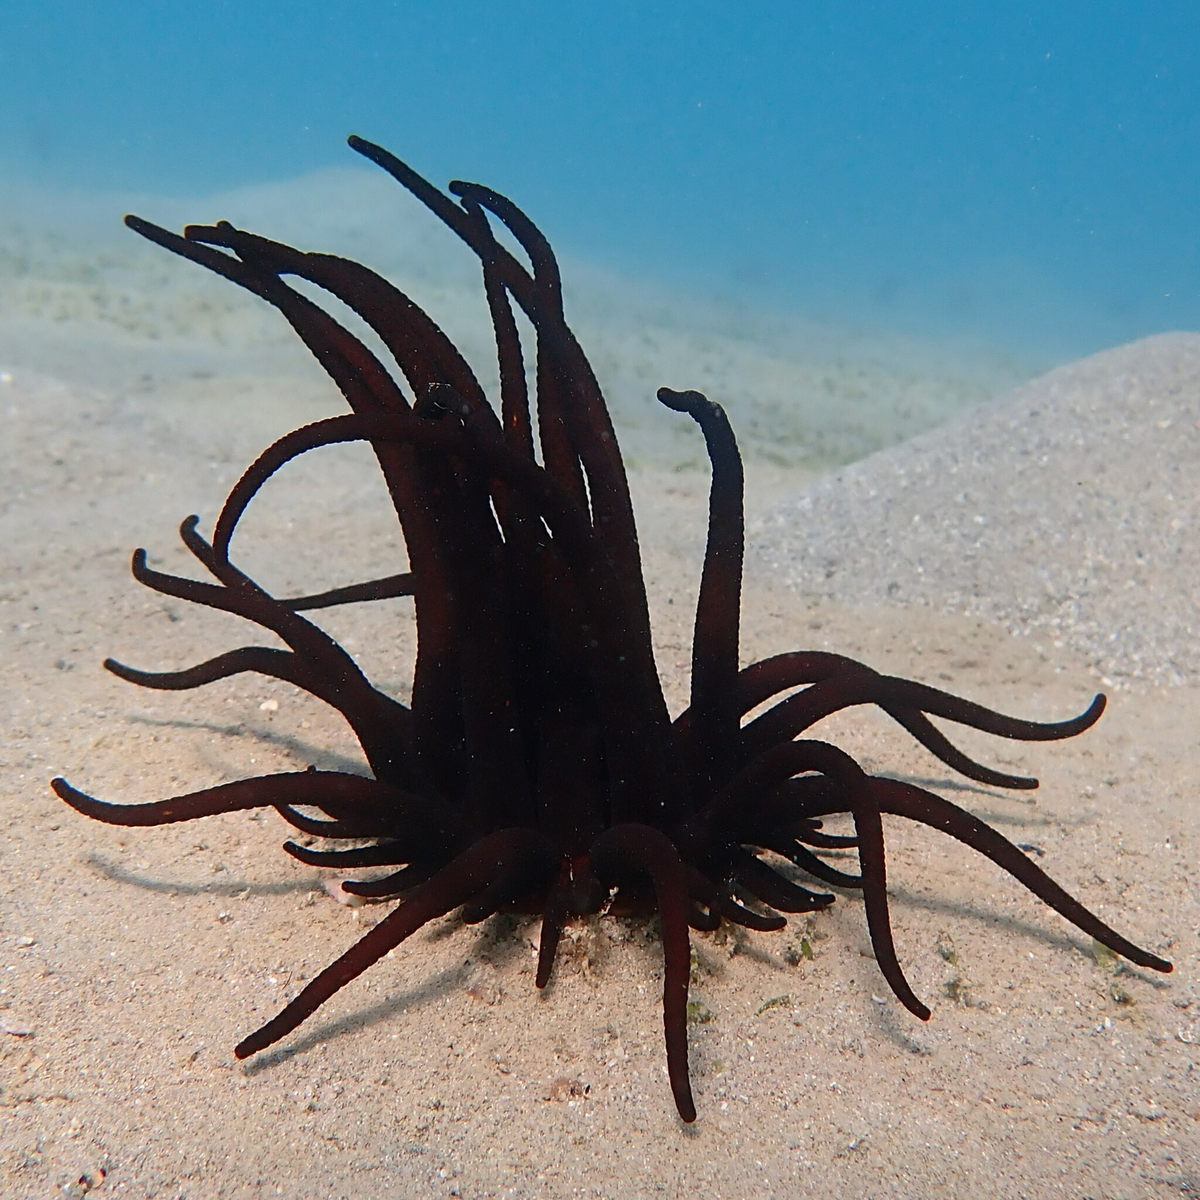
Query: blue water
[{"x": 1025, "y": 174}]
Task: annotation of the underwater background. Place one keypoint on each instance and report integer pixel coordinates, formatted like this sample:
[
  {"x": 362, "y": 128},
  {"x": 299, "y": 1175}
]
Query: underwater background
[
  {"x": 860, "y": 227},
  {"x": 847, "y": 222}
]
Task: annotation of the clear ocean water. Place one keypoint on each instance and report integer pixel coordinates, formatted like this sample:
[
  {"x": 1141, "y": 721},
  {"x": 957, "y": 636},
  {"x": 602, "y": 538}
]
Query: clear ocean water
[{"x": 1022, "y": 174}]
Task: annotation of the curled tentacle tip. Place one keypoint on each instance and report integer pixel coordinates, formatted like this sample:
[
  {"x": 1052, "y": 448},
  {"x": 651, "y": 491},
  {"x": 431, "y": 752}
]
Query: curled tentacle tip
[
  {"x": 81, "y": 802},
  {"x": 1153, "y": 962},
  {"x": 468, "y": 193},
  {"x": 681, "y": 401},
  {"x": 205, "y": 233},
  {"x": 129, "y": 674}
]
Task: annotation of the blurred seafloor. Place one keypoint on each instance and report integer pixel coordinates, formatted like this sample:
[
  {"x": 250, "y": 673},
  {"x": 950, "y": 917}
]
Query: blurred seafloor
[{"x": 85, "y": 300}]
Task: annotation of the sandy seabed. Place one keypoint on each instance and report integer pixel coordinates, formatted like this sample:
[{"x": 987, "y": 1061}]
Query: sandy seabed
[{"x": 135, "y": 959}]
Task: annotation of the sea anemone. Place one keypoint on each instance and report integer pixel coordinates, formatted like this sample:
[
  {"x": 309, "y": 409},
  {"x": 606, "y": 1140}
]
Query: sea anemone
[{"x": 537, "y": 768}]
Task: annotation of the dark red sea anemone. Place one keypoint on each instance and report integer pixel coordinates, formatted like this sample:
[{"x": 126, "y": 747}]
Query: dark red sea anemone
[{"x": 537, "y": 767}]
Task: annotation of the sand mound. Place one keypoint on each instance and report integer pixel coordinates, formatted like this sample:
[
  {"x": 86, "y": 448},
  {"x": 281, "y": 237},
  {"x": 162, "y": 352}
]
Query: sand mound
[{"x": 1069, "y": 509}]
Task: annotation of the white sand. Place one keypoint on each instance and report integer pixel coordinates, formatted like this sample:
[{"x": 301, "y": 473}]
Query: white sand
[
  {"x": 1070, "y": 511},
  {"x": 135, "y": 959}
]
